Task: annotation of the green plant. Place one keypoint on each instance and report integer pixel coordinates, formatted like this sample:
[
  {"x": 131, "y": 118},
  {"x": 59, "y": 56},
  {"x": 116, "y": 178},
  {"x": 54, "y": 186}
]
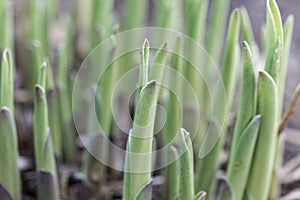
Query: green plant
[
  {"x": 140, "y": 141},
  {"x": 186, "y": 163},
  {"x": 141, "y": 136},
  {"x": 7, "y": 30},
  {"x": 207, "y": 166},
  {"x": 256, "y": 142},
  {"x": 9, "y": 172},
  {"x": 43, "y": 149}
]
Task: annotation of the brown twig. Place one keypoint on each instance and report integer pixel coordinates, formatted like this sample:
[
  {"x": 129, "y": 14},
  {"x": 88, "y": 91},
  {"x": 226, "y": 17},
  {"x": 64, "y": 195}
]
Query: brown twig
[{"x": 291, "y": 109}]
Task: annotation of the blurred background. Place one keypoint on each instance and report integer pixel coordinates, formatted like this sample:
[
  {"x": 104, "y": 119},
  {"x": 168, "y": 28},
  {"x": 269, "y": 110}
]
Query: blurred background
[{"x": 256, "y": 11}]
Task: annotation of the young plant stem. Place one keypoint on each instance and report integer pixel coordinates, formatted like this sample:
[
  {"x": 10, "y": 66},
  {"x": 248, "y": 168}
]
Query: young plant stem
[
  {"x": 216, "y": 28},
  {"x": 264, "y": 155},
  {"x": 7, "y": 81},
  {"x": 247, "y": 102},
  {"x": 9, "y": 172},
  {"x": 240, "y": 161},
  {"x": 139, "y": 144},
  {"x": 186, "y": 163},
  {"x": 207, "y": 166},
  {"x": 143, "y": 76},
  {"x": 7, "y": 28}
]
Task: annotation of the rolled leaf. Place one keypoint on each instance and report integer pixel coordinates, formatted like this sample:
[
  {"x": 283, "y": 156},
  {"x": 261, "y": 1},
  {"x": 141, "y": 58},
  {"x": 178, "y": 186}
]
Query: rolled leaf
[
  {"x": 287, "y": 33},
  {"x": 263, "y": 161},
  {"x": 40, "y": 124},
  {"x": 9, "y": 172},
  {"x": 143, "y": 77},
  {"x": 208, "y": 164},
  {"x": 186, "y": 160},
  {"x": 7, "y": 80},
  {"x": 247, "y": 33},
  {"x": 239, "y": 168},
  {"x": 47, "y": 177},
  {"x": 247, "y": 102},
  {"x": 172, "y": 179},
  {"x": 139, "y": 145},
  {"x": 275, "y": 42}
]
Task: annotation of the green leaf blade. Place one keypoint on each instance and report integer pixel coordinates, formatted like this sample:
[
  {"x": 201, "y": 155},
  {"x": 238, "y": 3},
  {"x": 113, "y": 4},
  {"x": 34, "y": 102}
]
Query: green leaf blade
[
  {"x": 186, "y": 174},
  {"x": 7, "y": 81},
  {"x": 264, "y": 155},
  {"x": 9, "y": 172},
  {"x": 247, "y": 102},
  {"x": 139, "y": 145},
  {"x": 239, "y": 168}
]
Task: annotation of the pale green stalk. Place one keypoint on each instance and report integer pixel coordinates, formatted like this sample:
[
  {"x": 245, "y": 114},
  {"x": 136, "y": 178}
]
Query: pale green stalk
[
  {"x": 45, "y": 79},
  {"x": 93, "y": 169},
  {"x": 68, "y": 137},
  {"x": 247, "y": 102},
  {"x": 84, "y": 13},
  {"x": 263, "y": 38},
  {"x": 247, "y": 33},
  {"x": 240, "y": 161},
  {"x": 216, "y": 28},
  {"x": 38, "y": 27},
  {"x": 43, "y": 149},
  {"x": 274, "y": 192},
  {"x": 9, "y": 172},
  {"x": 173, "y": 121},
  {"x": 287, "y": 34},
  {"x": 48, "y": 187},
  {"x": 106, "y": 91},
  {"x": 195, "y": 12},
  {"x": 7, "y": 81},
  {"x": 55, "y": 120},
  {"x": 186, "y": 163},
  {"x": 157, "y": 63},
  {"x": 40, "y": 122},
  {"x": 172, "y": 125},
  {"x": 101, "y": 20},
  {"x": 42, "y": 77},
  {"x": 165, "y": 12},
  {"x": 64, "y": 98},
  {"x": 172, "y": 178},
  {"x": 139, "y": 144},
  {"x": 36, "y": 60},
  {"x": 275, "y": 41},
  {"x": 134, "y": 14},
  {"x": 143, "y": 74},
  {"x": 208, "y": 165},
  {"x": 6, "y": 21},
  {"x": 195, "y": 17},
  {"x": 263, "y": 161}
]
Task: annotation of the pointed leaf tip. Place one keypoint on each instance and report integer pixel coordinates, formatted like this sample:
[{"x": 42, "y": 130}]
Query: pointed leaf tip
[
  {"x": 5, "y": 111},
  {"x": 146, "y": 44}
]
